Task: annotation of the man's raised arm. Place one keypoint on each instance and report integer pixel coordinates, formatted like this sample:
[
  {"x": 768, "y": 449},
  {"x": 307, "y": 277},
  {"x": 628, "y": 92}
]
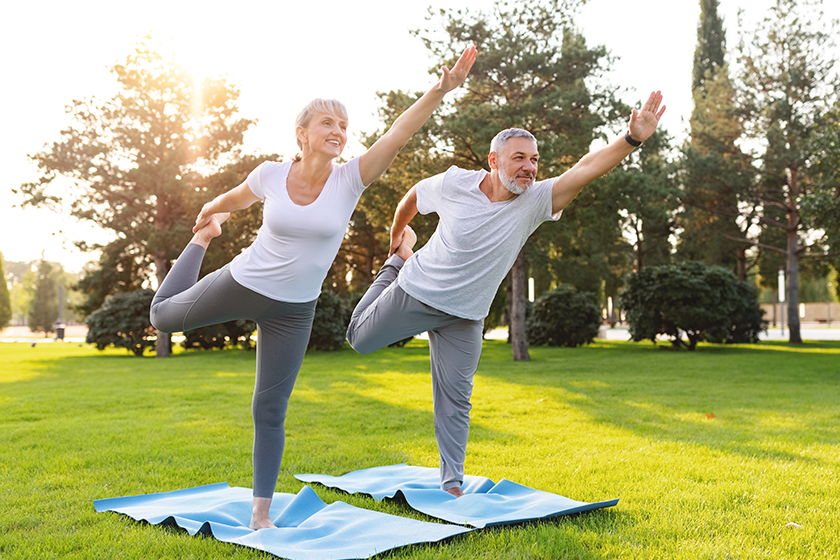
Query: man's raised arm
[{"x": 595, "y": 164}]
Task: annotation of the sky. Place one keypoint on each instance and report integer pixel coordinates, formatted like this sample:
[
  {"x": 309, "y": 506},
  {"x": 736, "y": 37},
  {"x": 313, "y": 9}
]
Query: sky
[{"x": 280, "y": 57}]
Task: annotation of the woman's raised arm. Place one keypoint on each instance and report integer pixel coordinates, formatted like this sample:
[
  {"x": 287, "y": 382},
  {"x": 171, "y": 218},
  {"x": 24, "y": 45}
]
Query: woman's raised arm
[{"x": 376, "y": 160}]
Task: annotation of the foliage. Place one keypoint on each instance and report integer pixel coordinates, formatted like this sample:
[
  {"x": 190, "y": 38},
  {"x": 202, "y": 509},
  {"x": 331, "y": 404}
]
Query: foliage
[
  {"x": 231, "y": 333},
  {"x": 43, "y": 307},
  {"x": 134, "y": 164},
  {"x": 821, "y": 207},
  {"x": 704, "y": 302},
  {"x": 497, "y": 309},
  {"x": 123, "y": 322},
  {"x": 564, "y": 317},
  {"x": 711, "y": 45},
  {"x": 717, "y": 175},
  {"x": 5, "y": 298},
  {"x": 788, "y": 81},
  {"x": 746, "y": 318},
  {"x": 332, "y": 315},
  {"x": 644, "y": 186}
]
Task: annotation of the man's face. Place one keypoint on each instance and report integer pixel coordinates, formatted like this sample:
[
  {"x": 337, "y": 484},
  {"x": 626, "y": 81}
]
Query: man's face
[{"x": 517, "y": 164}]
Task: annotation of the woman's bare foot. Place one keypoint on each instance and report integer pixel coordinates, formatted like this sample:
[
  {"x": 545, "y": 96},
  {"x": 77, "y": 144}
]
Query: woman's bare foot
[
  {"x": 455, "y": 491},
  {"x": 259, "y": 515},
  {"x": 408, "y": 241},
  {"x": 212, "y": 230}
]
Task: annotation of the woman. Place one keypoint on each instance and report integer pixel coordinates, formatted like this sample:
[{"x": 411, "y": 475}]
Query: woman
[{"x": 276, "y": 281}]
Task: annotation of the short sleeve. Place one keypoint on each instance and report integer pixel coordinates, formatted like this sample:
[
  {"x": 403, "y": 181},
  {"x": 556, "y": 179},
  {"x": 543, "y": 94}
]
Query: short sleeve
[
  {"x": 545, "y": 189},
  {"x": 429, "y": 193},
  {"x": 255, "y": 183},
  {"x": 352, "y": 177}
]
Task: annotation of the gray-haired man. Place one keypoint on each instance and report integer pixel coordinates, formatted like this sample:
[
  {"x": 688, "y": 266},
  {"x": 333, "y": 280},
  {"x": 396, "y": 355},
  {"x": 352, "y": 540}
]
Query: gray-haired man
[{"x": 446, "y": 288}]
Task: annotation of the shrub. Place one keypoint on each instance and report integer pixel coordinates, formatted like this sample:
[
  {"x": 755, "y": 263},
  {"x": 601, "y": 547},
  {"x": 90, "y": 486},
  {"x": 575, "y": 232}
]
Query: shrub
[
  {"x": 332, "y": 315},
  {"x": 704, "y": 302},
  {"x": 563, "y": 317},
  {"x": 230, "y": 333},
  {"x": 123, "y": 321},
  {"x": 746, "y": 320}
]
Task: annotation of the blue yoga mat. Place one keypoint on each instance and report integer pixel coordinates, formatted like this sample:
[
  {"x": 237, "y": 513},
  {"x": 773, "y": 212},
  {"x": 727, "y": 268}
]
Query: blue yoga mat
[
  {"x": 307, "y": 528},
  {"x": 484, "y": 503}
]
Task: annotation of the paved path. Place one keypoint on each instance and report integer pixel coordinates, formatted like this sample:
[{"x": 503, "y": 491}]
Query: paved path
[{"x": 808, "y": 332}]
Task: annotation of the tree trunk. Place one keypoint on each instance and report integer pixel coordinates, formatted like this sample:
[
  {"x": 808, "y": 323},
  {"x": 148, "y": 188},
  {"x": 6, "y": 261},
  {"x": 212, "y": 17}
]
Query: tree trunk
[
  {"x": 638, "y": 249},
  {"x": 742, "y": 263},
  {"x": 516, "y": 309},
  {"x": 792, "y": 287},
  {"x": 164, "y": 340}
]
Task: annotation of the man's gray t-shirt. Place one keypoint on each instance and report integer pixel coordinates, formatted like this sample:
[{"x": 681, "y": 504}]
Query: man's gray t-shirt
[{"x": 476, "y": 242}]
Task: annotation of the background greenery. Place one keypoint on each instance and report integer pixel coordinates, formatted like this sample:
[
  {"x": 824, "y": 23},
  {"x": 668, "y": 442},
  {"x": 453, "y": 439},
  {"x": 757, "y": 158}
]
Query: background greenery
[{"x": 712, "y": 453}]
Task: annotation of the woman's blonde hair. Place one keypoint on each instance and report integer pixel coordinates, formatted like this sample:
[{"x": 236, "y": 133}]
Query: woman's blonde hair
[{"x": 318, "y": 105}]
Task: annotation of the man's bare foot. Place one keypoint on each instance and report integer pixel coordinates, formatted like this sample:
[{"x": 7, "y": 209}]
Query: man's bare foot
[
  {"x": 212, "y": 230},
  {"x": 259, "y": 515},
  {"x": 455, "y": 491},
  {"x": 408, "y": 241}
]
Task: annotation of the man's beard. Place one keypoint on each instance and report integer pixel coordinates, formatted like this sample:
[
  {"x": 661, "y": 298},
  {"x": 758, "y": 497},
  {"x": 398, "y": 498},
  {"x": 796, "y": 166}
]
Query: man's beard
[{"x": 511, "y": 185}]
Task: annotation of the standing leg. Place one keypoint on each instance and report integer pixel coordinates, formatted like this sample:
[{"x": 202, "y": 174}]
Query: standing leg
[
  {"x": 455, "y": 350},
  {"x": 282, "y": 337}
]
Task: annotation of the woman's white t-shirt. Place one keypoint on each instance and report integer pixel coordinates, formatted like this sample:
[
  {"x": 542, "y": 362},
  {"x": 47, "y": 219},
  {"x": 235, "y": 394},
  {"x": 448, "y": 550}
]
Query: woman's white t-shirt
[{"x": 296, "y": 244}]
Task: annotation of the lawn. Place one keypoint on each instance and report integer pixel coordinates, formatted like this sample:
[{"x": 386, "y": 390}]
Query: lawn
[{"x": 712, "y": 453}]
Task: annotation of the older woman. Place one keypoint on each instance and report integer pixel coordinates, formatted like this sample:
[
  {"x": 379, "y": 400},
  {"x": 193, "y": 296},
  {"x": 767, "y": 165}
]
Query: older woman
[{"x": 276, "y": 281}]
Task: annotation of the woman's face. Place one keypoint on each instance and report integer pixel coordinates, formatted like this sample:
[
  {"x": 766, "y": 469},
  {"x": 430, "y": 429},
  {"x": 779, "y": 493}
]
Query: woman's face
[{"x": 325, "y": 133}]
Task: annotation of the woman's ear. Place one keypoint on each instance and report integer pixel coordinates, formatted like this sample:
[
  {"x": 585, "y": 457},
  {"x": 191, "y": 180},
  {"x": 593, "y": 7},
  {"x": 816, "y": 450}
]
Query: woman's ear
[{"x": 300, "y": 134}]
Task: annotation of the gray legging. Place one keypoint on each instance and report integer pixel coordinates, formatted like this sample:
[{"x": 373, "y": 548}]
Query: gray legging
[
  {"x": 182, "y": 303},
  {"x": 387, "y": 314}
]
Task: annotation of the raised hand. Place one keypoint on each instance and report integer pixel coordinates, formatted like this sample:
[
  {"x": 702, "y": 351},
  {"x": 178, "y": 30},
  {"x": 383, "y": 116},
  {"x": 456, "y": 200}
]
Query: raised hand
[
  {"x": 450, "y": 79},
  {"x": 643, "y": 123}
]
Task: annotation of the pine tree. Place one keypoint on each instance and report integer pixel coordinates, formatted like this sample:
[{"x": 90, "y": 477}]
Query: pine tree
[
  {"x": 717, "y": 174},
  {"x": 788, "y": 84},
  {"x": 43, "y": 310},
  {"x": 5, "y": 298}
]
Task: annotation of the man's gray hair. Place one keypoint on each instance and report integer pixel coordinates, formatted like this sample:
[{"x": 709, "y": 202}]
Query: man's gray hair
[{"x": 499, "y": 141}]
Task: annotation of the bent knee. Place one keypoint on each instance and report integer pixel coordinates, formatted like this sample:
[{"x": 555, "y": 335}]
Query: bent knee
[{"x": 159, "y": 322}]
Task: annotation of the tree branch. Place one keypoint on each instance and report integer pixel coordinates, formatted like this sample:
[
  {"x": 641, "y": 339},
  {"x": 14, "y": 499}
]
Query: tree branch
[{"x": 755, "y": 244}]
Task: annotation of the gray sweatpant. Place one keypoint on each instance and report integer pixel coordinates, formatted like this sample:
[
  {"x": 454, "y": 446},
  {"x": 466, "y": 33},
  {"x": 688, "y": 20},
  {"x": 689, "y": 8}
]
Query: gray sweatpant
[
  {"x": 386, "y": 314},
  {"x": 181, "y": 303}
]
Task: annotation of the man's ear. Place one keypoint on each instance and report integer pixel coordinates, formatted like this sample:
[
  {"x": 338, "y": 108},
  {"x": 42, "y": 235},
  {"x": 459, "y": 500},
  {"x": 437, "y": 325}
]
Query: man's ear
[{"x": 491, "y": 159}]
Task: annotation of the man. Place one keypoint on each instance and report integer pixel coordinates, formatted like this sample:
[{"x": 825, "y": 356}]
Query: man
[{"x": 446, "y": 288}]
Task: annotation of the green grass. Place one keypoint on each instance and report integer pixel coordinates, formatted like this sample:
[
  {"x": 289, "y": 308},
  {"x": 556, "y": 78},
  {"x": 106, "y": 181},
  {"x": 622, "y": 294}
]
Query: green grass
[{"x": 613, "y": 420}]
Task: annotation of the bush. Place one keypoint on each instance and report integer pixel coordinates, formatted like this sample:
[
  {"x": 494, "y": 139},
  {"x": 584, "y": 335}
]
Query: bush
[
  {"x": 230, "y": 333},
  {"x": 704, "y": 302},
  {"x": 563, "y": 317},
  {"x": 332, "y": 315},
  {"x": 123, "y": 321},
  {"x": 746, "y": 320}
]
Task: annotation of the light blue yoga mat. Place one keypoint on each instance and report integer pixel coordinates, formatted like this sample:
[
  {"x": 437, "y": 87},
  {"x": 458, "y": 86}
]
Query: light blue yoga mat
[
  {"x": 307, "y": 528},
  {"x": 484, "y": 503}
]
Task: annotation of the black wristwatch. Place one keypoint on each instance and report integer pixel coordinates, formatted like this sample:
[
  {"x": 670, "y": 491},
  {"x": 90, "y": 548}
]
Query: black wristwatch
[{"x": 634, "y": 143}]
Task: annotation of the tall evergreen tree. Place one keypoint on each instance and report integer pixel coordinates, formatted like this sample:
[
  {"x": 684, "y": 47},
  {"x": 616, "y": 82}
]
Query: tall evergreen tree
[
  {"x": 716, "y": 173},
  {"x": 710, "y": 52},
  {"x": 788, "y": 83},
  {"x": 43, "y": 310},
  {"x": 5, "y": 298}
]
